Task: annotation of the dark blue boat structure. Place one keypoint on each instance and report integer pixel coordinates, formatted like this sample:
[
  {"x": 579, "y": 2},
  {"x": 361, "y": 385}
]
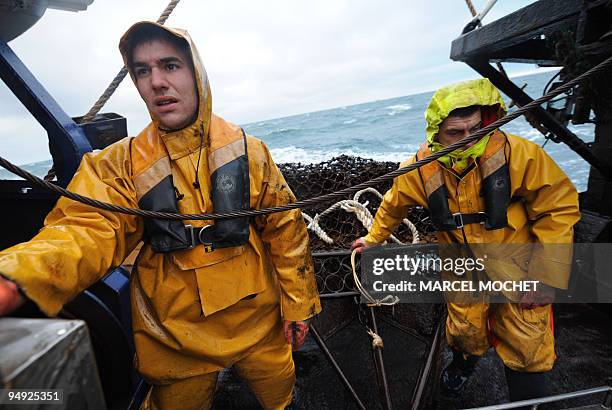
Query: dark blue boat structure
[{"x": 342, "y": 366}]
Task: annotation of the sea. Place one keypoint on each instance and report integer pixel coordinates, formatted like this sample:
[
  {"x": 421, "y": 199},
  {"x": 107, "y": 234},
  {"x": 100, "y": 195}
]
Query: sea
[{"x": 384, "y": 130}]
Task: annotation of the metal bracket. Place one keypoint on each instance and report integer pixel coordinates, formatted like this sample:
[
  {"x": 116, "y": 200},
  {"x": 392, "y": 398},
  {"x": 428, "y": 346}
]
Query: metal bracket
[{"x": 544, "y": 117}]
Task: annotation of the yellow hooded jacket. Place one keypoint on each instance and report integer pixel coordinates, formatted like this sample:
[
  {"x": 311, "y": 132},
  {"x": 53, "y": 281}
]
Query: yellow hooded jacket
[
  {"x": 545, "y": 215},
  {"x": 193, "y": 312}
]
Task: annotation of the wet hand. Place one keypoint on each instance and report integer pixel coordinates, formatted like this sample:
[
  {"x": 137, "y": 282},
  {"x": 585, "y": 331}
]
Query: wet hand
[
  {"x": 295, "y": 333},
  {"x": 359, "y": 245},
  {"x": 544, "y": 295},
  {"x": 10, "y": 298}
]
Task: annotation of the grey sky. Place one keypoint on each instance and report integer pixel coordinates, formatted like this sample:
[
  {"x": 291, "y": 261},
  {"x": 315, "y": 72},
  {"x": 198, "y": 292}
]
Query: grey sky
[{"x": 265, "y": 59}]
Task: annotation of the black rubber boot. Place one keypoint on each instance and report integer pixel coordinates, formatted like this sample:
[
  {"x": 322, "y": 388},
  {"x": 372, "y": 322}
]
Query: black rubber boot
[
  {"x": 457, "y": 374},
  {"x": 525, "y": 386}
]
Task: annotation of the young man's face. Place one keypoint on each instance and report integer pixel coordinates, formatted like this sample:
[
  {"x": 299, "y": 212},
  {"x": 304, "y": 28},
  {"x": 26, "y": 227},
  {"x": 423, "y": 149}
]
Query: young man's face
[
  {"x": 166, "y": 82},
  {"x": 454, "y": 128}
]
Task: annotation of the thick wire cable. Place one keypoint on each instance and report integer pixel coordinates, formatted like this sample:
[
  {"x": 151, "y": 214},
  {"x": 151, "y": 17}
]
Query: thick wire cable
[{"x": 320, "y": 199}]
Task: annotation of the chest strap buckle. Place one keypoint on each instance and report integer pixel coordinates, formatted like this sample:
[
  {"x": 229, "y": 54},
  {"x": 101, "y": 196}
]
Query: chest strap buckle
[
  {"x": 466, "y": 219},
  {"x": 196, "y": 236}
]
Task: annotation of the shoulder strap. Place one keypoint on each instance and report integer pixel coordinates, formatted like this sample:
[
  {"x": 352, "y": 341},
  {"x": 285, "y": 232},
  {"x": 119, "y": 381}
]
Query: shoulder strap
[
  {"x": 228, "y": 164},
  {"x": 495, "y": 175},
  {"x": 152, "y": 175},
  {"x": 437, "y": 194}
]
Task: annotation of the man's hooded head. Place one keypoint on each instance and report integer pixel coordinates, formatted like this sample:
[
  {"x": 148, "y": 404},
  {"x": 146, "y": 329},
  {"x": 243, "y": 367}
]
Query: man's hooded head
[
  {"x": 169, "y": 75},
  {"x": 458, "y": 110}
]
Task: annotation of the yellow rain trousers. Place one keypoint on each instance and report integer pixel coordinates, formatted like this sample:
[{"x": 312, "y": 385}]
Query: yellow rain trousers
[
  {"x": 194, "y": 313},
  {"x": 523, "y": 338},
  {"x": 271, "y": 382}
]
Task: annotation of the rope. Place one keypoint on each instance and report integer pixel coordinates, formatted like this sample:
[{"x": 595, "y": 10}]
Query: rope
[
  {"x": 106, "y": 95},
  {"x": 166, "y": 13},
  {"x": 112, "y": 87},
  {"x": 363, "y": 215},
  {"x": 478, "y": 17},
  {"x": 313, "y": 225},
  {"x": 377, "y": 341},
  {"x": 320, "y": 199},
  {"x": 388, "y": 300},
  {"x": 471, "y": 7},
  {"x": 413, "y": 229},
  {"x": 348, "y": 205}
]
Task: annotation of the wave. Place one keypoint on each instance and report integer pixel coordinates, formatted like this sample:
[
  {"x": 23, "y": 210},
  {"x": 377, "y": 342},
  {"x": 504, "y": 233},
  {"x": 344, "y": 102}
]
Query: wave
[
  {"x": 532, "y": 135},
  {"x": 286, "y": 129},
  {"x": 40, "y": 169},
  {"x": 277, "y": 131},
  {"x": 577, "y": 171},
  {"x": 304, "y": 156},
  {"x": 351, "y": 121},
  {"x": 398, "y": 108}
]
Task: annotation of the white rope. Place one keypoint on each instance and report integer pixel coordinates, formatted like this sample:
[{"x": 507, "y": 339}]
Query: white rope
[
  {"x": 313, "y": 225},
  {"x": 362, "y": 213},
  {"x": 365, "y": 217},
  {"x": 388, "y": 300}
]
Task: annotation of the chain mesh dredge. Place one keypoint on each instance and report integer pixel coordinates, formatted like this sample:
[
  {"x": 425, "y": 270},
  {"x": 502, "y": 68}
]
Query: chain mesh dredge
[
  {"x": 342, "y": 226},
  {"x": 332, "y": 258}
]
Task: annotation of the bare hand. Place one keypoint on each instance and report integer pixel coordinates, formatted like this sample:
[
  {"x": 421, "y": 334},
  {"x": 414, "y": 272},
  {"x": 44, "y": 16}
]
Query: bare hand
[
  {"x": 10, "y": 298},
  {"x": 359, "y": 244},
  {"x": 295, "y": 333},
  {"x": 544, "y": 295}
]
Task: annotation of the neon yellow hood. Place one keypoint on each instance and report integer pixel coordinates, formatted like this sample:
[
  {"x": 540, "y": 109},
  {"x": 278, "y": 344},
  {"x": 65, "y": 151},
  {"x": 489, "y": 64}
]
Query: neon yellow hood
[{"x": 459, "y": 95}]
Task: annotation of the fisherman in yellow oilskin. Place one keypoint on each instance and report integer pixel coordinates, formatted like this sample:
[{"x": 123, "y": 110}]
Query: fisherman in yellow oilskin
[
  {"x": 204, "y": 296},
  {"x": 501, "y": 189}
]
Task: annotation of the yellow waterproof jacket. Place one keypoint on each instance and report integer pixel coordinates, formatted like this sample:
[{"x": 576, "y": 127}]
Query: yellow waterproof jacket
[
  {"x": 546, "y": 213},
  {"x": 193, "y": 312}
]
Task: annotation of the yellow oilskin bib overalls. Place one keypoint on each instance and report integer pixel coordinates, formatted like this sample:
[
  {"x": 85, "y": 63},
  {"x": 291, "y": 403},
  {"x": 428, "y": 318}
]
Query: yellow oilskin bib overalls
[{"x": 546, "y": 213}]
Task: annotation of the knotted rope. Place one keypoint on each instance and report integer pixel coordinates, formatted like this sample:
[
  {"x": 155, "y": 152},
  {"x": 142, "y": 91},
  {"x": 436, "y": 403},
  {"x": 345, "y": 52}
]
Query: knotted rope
[
  {"x": 388, "y": 300},
  {"x": 363, "y": 215},
  {"x": 377, "y": 341}
]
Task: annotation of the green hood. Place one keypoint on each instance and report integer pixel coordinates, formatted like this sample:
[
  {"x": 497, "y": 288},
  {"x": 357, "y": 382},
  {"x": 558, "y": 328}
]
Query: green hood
[{"x": 459, "y": 95}]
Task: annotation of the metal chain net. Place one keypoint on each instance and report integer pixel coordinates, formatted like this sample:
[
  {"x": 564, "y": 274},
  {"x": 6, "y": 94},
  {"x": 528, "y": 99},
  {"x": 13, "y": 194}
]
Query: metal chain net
[{"x": 332, "y": 261}]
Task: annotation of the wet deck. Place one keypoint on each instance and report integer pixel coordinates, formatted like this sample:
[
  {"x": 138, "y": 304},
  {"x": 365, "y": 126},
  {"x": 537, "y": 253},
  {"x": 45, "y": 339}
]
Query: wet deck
[{"x": 584, "y": 349}]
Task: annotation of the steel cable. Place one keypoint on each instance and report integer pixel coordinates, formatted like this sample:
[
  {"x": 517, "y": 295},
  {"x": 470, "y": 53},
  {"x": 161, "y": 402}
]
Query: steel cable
[{"x": 316, "y": 200}]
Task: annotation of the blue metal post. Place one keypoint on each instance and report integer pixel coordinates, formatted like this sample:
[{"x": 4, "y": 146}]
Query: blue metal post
[{"x": 67, "y": 141}]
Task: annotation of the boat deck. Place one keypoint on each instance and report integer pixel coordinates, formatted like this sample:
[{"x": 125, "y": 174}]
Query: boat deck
[{"x": 584, "y": 349}]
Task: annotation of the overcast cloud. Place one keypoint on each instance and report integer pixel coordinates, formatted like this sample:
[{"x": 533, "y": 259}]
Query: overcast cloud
[{"x": 265, "y": 59}]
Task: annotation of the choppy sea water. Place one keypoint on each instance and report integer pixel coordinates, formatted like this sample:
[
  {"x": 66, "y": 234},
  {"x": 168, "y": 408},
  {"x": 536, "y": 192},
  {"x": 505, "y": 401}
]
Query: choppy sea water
[
  {"x": 392, "y": 130},
  {"x": 385, "y": 130}
]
